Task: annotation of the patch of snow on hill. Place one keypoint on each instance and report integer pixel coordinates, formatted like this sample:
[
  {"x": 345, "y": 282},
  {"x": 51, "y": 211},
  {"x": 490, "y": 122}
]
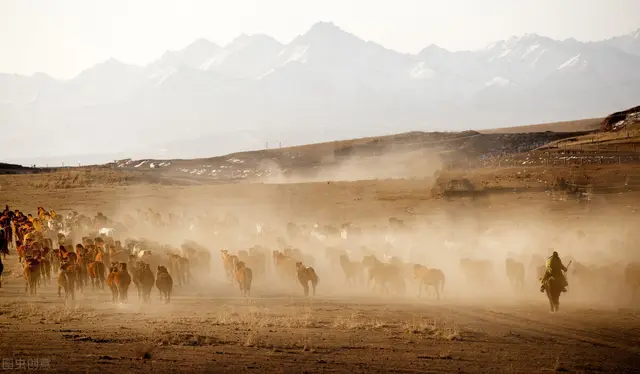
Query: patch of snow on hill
[
  {"x": 498, "y": 81},
  {"x": 215, "y": 60},
  {"x": 162, "y": 75},
  {"x": 530, "y": 49},
  {"x": 573, "y": 61},
  {"x": 297, "y": 54},
  {"x": 534, "y": 62},
  {"x": 421, "y": 71}
]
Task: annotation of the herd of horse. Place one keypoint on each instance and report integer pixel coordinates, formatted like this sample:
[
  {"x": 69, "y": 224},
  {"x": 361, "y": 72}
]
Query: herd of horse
[{"x": 98, "y": 251}]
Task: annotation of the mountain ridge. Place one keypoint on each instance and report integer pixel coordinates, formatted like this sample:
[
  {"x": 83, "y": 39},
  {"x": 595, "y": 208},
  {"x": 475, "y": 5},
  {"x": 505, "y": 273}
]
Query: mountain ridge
[{"x": 325, "y": 84}]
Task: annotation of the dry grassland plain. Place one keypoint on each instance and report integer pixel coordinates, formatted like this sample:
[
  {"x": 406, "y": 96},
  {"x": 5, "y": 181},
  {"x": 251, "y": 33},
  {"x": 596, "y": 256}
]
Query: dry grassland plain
[{"x": 474, "y": 327}]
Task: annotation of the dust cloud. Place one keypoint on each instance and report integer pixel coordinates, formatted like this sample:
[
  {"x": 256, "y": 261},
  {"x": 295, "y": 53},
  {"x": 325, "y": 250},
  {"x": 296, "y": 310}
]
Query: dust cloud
[
  {"x": 486, "y": 233},
  {"x": 415, "y": 164}
]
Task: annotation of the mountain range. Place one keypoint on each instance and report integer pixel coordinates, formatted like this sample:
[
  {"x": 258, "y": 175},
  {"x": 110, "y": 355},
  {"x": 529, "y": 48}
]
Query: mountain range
[{"x": 326, "y": 84}]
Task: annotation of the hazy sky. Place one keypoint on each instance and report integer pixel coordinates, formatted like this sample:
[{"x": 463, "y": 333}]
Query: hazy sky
[{"x": 63, "y": 37}]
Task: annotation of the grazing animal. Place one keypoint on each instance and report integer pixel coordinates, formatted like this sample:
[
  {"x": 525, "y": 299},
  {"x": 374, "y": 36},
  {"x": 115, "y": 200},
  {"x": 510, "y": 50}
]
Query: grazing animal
[
  {"x": 4, "y": 240},
  {"x": 55, "y": 258},
  {"x": 111, "y": 281},
  {"x": 383, "y": 275},
  {"x": 429, "y": 277},
  {"x": 515, "y": 273},
  {"x": 122, "y": 280},
  {"x": 285, "y": 266},
  {"x": 66, "y": 280},
  {"x": 82, "y": 276},
  {"x": 31, "y": 275},
  {"x": 20, "y": 250},
  {"x": 306, "y": 274},
  {"x": 146, "y": 281},
  {"x": 164, "y": 283},
  {"x": 136, "y": 276},
  {"x": 353, "y": 271},
  {"x": 180, "y": 267},
  {"x": 96, "y": 272},
  {"x": 45, "y": 270},
  {"x": 70, "y": 256},
  {"x": 229, "y": 262},
  {"x": 244, "y": 276}
]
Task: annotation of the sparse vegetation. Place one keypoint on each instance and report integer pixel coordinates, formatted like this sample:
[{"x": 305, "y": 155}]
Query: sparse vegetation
[
  {"x": 79, "y": 178},
  {"x": 52, "y": 314},
  {"x": 433, "y": 329}
]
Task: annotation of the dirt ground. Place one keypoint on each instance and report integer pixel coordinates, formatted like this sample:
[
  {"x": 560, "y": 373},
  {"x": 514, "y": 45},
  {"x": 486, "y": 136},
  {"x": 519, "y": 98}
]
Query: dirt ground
[
  {"x": 209, "y": 327},
  {"x": 218, "y": 332}
]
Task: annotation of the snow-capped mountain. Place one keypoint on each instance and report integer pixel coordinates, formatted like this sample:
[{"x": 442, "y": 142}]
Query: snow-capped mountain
[
  {"x": 194, "y": 55},
  {"x": 325, "y": 84},
  {"x": 629, "y": 43},
  {"x": 247, "y": 56}
]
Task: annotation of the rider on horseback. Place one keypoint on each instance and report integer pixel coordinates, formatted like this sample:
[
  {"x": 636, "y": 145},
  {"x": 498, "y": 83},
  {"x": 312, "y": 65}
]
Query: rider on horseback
[{"x": 555, "y": 269}]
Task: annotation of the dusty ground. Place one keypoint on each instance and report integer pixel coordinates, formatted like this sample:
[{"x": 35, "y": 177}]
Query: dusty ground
[
  {"x": 210, "y": 328},
  {"x": 216, "y": 332}
]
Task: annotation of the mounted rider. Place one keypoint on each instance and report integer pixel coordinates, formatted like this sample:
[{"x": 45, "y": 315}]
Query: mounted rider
[{"x": 554, "y": 268}]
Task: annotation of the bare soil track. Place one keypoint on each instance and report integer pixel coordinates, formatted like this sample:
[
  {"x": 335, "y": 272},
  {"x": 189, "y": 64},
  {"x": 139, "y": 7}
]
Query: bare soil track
[{"x": 217, "y": 332}]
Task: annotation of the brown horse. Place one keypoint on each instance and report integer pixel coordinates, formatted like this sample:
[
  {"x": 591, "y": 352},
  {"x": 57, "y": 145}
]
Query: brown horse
[
  {"x": 31, "y": 275},
  {"x": 244, "y": 276},
  {"x": 122, "y": 280},
  {"x": 66, "y": 280},
  {"x": 229, "y": 262},
  {"x": 429, "y": 277},
  {"x": 307, "y": 274},
  {"x": 113, "y": 270},
  {"x": 164, "y": 283},
  {"x": 96, "y": 274}
]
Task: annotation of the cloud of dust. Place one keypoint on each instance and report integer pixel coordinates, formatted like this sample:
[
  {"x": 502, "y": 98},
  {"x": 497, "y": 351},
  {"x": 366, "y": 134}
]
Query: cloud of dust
[
  {"x": 439, "y": 237},
  {"x": 398, "y": 164}
]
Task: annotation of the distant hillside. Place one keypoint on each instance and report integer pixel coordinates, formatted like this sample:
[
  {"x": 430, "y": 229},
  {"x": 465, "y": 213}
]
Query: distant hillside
[
  {"x": 590, "y": 124},
  {"x": 267, "y": 163},
  {"x": 325, "y": 84},
  {"x": 15, "y": 169}
]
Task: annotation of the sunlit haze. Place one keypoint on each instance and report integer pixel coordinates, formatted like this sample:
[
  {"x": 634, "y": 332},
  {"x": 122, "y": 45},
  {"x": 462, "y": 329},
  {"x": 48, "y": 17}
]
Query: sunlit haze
[
  {"x": 320, "y": 186},
  {"x": 62, "y": 38}
]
